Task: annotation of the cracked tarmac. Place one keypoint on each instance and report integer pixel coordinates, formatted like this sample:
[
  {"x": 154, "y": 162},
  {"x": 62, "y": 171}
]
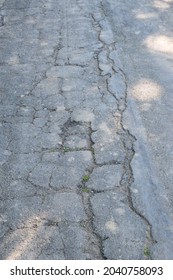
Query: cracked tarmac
[{"x": 65, "y": 153}]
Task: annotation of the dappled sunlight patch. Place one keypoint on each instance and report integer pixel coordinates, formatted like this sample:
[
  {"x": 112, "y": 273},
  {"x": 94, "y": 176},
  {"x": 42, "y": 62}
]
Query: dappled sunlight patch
[
  {"x": 14, "y": 59},
  {"x": 83, "y": 115},
  {"x": 104, "y": 127},
  {"x": 162, "y": 5},
  {"x": 120, "y": 211},
  {"x": 112, "y": 226},
  {"x": 146, "y": 15},
  {"x": 21, "y": 247},
  {"x": 146, "y": 90},
  {"x": 24, "y": 238},
  {"x": 160, "y": 43}
]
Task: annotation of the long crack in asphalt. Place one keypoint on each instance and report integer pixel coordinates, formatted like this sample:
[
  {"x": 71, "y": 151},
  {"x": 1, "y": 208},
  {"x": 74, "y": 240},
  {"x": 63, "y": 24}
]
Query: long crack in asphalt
[{"x": 65, "y": 155}]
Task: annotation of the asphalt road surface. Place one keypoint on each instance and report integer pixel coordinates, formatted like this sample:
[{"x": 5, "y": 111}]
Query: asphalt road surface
[{"x": 86, "y": 134}]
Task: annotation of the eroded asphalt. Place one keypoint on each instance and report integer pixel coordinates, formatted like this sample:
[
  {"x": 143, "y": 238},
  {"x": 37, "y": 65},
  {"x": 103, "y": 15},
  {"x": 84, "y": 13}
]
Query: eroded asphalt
[{"x": 65, "y": 153}]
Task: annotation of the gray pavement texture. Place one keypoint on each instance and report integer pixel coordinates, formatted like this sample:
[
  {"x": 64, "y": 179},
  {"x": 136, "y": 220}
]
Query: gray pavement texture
[{"x": 76, "y": 180}]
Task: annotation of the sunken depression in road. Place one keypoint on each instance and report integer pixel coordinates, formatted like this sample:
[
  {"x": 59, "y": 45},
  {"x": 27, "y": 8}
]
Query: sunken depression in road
[{"x": 86, "y": 134}]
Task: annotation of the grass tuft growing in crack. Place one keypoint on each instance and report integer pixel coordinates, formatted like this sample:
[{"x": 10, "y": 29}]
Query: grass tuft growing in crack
[
  {"x": 147, "y": 252},
  {"x": 86, "y": 190},
  {"x": 66, "y": 149},
  {"x": 86, "y": 178}
]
